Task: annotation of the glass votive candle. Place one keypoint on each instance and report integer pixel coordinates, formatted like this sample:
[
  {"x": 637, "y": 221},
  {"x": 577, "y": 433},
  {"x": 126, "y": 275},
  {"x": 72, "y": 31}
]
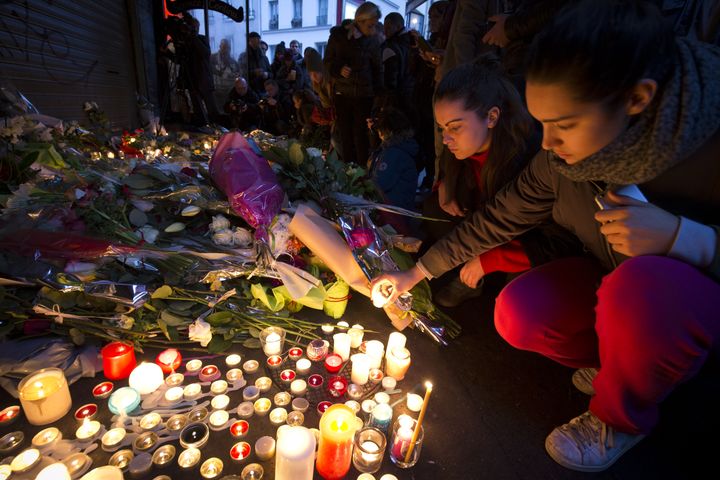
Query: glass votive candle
[
  {"x": 401, "y": 440},
  {"x": 192, "y": 391},
  {"x": 220, "y": 402},
  {"x": 150, "y": 421},
  {"x": 295, "y": 419},
  {"x": 315, "y": 380},
  {"x": 240, "y": 451},
  {"x": 381, "y": 397},
  {"x": 169, "y": 360},
  {"x": 272, "y": 340},
  {"x": 239, "y": 428},
  {"x": 282, "y": 399},
  {"x": 263, "y": 384},
  {"x": 355, "y": 391},
  {"x": 112, "y": 439},
  {"x": 174, "y": 380},
  {"x": 368, "y": 449},
  {"x": 397, "y": 362},
  {"x": 194, "y": 435},
  {"x": 414, "y": 402},
  {"x": 175, "y": 394},
  {"x": 87, "y": 411},
  {"x": 176, "y": 422},
  {"x": 300, "y": 404},
  {"x": 233, "y": 360},
  {"x": 251, "y": 393},
  {"x": 46, "y": 438},
  {"x": 163, "y": 456},
  {"x": 337, "y": 386},
  {"x": 322, "y": 406},
  {"x": 381, "y": 416},
  {"x": 278, "y": 416},
  {"x": 254, "y": 471},
  {"x": 317, "y": 349},
  {"x": 376, "y": 350},
  {"x": 298, "y": 387},
  {"x": 197, "y": 414},
  {"x": 287, "y": 375},
  {"x": 375, "y": 376},
  {"x": 389, "y": 383},
  {"x": 356, "y": 333},
  {"x": 251, "y": 366},
  {"x": 274, "y": 361},
  {"x": 218, "y": 419},
  {"x": 303, "y": 366},
  {"x": 368, "y": 405},
  {"x": 262, "y": 406},
  {"x": 193, "y": 367},
  {"x": 44, "y": 396},
  {"x": 189, "y": 458},
  {"x": 103, "y": 389},
  {"x": 218, "y": 387},
  {"x": 265, "y": 448},
  {"x": 88, "y": 431},
  {"x": 234, "y": 375},
  {"x": 354, "y": 405},
  {"x": 333, "y": 363},
  {"x": 295, "y": 353},
  {"x": 209, "y": 373},
  {"x": 245, "y": 410}
]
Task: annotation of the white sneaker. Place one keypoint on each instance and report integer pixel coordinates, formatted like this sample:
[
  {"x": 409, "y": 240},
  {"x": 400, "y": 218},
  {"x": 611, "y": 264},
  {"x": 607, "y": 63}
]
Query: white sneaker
[
  {"x": 583, "y": 380},
  {"x": 587, "y": 444}
]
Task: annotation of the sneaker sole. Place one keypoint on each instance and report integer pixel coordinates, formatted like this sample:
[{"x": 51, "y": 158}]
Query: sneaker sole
[{"x": 589, "y": 468}]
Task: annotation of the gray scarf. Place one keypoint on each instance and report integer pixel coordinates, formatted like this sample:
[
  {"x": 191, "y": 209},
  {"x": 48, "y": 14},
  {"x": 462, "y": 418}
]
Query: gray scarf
[{"x": 685, "y": 115}]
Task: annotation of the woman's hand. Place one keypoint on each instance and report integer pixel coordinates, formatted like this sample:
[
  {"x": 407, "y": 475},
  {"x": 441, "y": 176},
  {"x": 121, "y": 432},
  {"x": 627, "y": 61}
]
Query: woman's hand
[
  {"x": 448, "y": 204},
  {"x": 401, "y": 282},
  {"x": 636, "y": 228},
  {"x": 472, "y": 272},
  {"x": 496, "y": 35}
]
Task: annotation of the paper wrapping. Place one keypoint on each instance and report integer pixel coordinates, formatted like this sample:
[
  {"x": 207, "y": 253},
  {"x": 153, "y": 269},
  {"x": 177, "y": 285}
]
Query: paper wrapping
[{"x": 322, "y": 238}]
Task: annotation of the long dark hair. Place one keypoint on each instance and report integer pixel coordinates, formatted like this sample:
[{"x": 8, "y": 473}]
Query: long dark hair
[
  {"x": 480, "y": 86},
  {"x": 600, "y": 50}
]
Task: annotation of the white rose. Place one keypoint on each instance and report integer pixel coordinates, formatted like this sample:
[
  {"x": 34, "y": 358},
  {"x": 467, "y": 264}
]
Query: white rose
[
  {"x": 223, "y": 237},
  {"x": 142, "y": 205},
  {"x": 200, "y": 331},
  {"x": 242, "y": 237},
  {"x": 219, "y": 222}
]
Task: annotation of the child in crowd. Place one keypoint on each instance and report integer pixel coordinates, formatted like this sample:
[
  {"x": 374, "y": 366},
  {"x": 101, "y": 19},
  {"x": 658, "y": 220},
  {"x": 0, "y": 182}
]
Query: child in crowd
[{"x": 623, "y": 103}]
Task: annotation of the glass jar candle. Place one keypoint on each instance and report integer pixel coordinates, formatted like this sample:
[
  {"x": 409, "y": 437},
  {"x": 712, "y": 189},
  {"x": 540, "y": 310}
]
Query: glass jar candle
[
  {"x": 368, "y": 449},
  {"x": 337, "y": 429},
  {"x": 45, "y": 396},
  {"x": 118, "y": 360}
]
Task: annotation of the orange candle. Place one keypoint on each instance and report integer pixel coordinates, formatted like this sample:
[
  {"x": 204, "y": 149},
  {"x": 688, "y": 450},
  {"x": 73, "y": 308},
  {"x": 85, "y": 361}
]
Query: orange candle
[{"x": 337, "y": 429}]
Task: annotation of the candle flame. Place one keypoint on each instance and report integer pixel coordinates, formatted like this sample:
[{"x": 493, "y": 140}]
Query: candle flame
[{"x": 428, "y": 386}]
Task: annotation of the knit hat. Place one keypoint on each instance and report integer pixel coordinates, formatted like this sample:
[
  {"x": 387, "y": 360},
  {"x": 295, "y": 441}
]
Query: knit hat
[{"x": 313, "y": 61}]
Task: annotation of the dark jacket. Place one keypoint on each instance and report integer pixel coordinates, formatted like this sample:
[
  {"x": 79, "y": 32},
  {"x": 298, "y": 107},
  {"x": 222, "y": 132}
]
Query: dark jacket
[
  {"x": 396, "y": 56},
  {"x": 255, "y": 63},
  {"x": 248, "y": 118},
  {"x": 362, "y": 55},
  {"x": 392, "y": 167},
  {"x": 691, "y": 188},
  {"x": 290, "y": 86}
]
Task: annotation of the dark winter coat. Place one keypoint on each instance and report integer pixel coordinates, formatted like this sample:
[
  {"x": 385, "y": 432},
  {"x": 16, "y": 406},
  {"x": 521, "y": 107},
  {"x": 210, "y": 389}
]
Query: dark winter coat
[
  {"x": 392, "y": 167},
  {"x": 347, "y": 47}
]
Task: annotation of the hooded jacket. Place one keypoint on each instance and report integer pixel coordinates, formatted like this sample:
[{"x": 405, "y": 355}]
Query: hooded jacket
[{"x": 347, "y": 46}]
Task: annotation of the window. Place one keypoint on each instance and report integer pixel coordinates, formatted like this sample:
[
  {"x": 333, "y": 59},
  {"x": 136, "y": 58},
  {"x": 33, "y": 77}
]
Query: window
[
  {"x": 322, "y": 12},
  {"x": 320, "y": 47},
  {"x": 297, "y": 14},
  {"x": 274, "y": 17}
]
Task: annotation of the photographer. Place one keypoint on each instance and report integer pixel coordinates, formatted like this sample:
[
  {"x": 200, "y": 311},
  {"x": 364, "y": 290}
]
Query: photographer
[
  {"x": 275, "y": 109},
  {"x": 242, "y": 106}
]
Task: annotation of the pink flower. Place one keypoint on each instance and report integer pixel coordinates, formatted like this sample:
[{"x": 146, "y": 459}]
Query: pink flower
[{"x": 361, "y": 237}]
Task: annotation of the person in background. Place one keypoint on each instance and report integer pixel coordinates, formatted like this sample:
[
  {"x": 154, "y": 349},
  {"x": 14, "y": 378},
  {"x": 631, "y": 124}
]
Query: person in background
[
  {"x": 295, "y": 50},
  {"x": 223, "y": 64},
  {"x": 631, "y": 137},
  {"x": 275, "y": 109},
  {"x": 201, "y": 79},
  {"x": 255, "y": 63},
  {"x": 264, "y": 47},
  {"x": 290, "y": 76},
  {"x": 396, "y": 58},
  {"x": 353, "y": 61},
  {"x": 277, "y": 58},
  {"x": 242, "y": 106}
]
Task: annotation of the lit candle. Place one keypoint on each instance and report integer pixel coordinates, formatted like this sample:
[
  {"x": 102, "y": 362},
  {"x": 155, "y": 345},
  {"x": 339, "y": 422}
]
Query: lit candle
[
  {"x": 239, "y": 428},
  {"x": 88, "y": 430},
  {"x": 234, "y": 375},
  {"x": 381, "y": 416},
  {"x": 322, "y": 406},
  {"x": 233, "y": 360},
  {"x": 376, "y": 375},
  {"x": 356, "y": 335},
  {"x": 333, "y": 363},
  {"x": 86, "y": 412},
  {"x": 112, "y": 439},
  {"x": 146, "y": 378},
  {"x": 251, "y": 366},
  {"x": 315, "y": 380},
  {"x": 176, "y": 422},
  {"x": 54, "y": 471},
  {"x": 163, "y": 456},
  {"x": 265, "y": 448},
  {"x": 218, "y": 387},
  {"x": 341, "y": 345},
  {"x": 355, "y": 391},
  {"x": 295, "y": 455},
  {"x": 197, "y": 414},
  {"x": 245, "y": 410},
  {"x": 274, "y": 361},
  {"x": 150, "y": 421},
  {"x": 118, "y": 360},
  {"x": 193, "y": 367},
  {"x": 102, "y": 390},
  {"x": 287, "y": 375},
  {"x": 209, "y": 373},
  {"x": 254, "y": 471},
  {"x": 354, "y": 405},
  {"x": 44, "y": 396},
  {"x": 298, "y": 387},
  {"x": 278, "y": 416},
  {"x": 25, "y": 460},
  {"x": 327, "y": 328},
  {"x": 5, "y": 471},
  {"x": 389, "y": 383},
  {"x": 282, "y": 399},
  {"x": 300, "y": 404},
  {"x": 169, "y": 360},
  {"x": 381, "y": 397},
  {"x": 397, "y": 363},
  {"x": 395, "y": 339},
  {"x": 240, "y": 451},
  {"x": 303, "y": 366},
  {"x": 317, "y": 349},
  {"x": 220, "y": 402},
  {"x": 295, "y": 353},
  {"x": 262, "y": 406},
  {"x": 360, "y": 368},
  {"x": 263, "y": 384},
  {"x": 9, "y": 415},
  {"x": 174, "y": 379},
  {"x": 414, "y": 402},
  {"x": 251, "y": 393},
  {"x": 418, "y": 425},
  {"x": 218, "y": 419},
  {"x": 192, "y": 391},
  {"x": 337, "y": 428},
  {"x": 188, "y": 458},
  {"x": 337, "y": 386},
  {"x": 369, "y": 446},
  {"x": 46, "y": 438},
  {"x": 375, "y": 350},
  {"x": 368, "y": 405},
  {"x": 272, "y": 339}
]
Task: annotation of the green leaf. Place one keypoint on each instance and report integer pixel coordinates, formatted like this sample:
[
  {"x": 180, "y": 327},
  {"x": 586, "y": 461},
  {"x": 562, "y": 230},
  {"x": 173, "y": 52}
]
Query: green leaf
[
  {"x": 173, "y": 320},
  {"x": 162, "y": 292},
  {"x": 163, "y": 326},
  {"x": 219, "y": 319},
  {"x": 254, "y": 332},
  {"x": 297, "y": 156},
  {"x": 138, "y": 181},
  {"x": 251, "y": 343},
  {"x": 274, "y": 303},
  {"x": 219, "y": 344}
]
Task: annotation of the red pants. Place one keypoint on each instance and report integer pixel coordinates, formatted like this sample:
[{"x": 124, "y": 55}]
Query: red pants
[{"x": 649, "y": 325}]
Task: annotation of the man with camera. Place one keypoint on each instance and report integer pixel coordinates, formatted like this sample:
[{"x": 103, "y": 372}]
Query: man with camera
[{"x": 242, "y": 106}]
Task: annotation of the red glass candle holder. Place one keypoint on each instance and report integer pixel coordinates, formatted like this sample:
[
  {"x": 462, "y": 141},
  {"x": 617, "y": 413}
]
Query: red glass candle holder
[
  {"x": 315, "y": 380},
  {"x": 322, "y": 406},
  {"x": 333, "y": 363},
  {"x": 287, "y": 376},
  {"x": 239, "y": 428},
  {"x": 295, "y": 353},
  {"x": 209, "y": 373},
  {"x": 274, "y": 361},
  {"x": 240, "y": 451},
  {"x": 86, "y": 412},
  {"x": 118, "y": 360},
  {"x": 9, "y": 415},
  {"x": 337, "y": 386},
  {"x": 103, "y": 390},
  {"x": 169, "y": 360}
]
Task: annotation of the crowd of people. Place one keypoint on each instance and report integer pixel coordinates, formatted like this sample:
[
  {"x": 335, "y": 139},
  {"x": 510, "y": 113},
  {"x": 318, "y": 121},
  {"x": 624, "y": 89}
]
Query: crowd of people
[{"x": 573, "y": 147}]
